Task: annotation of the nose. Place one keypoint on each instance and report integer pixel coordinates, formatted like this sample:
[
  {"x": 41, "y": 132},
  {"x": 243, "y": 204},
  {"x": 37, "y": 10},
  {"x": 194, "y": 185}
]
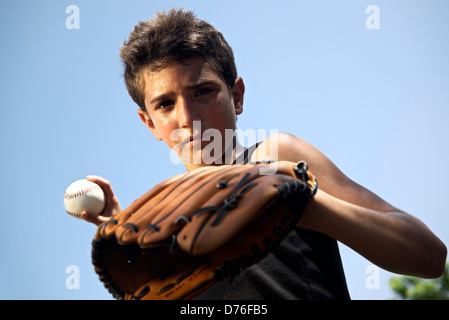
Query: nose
[{"x": 186, "y": 113}]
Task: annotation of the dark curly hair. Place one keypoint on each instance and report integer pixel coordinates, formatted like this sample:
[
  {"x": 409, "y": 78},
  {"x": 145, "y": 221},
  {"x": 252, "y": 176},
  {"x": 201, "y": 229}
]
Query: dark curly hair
[{"x": 173, "y": 36}]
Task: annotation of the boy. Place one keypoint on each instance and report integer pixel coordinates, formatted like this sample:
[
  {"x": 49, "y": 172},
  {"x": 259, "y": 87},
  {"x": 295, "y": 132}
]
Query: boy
[{"x": 181, "y": 73}]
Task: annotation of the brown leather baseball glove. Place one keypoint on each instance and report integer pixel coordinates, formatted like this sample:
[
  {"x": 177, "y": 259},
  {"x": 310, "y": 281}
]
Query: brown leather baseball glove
[{"x": 200, "y": 227}]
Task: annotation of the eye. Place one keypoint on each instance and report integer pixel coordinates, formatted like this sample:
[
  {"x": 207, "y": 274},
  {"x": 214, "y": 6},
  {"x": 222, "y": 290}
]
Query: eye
[
  {"x": 165, "y": 104},
  {"x": 203, "y": 91}
]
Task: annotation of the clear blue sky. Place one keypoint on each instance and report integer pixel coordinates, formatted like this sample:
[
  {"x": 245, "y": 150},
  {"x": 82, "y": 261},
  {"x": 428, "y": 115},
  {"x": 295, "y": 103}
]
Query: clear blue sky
[{"x": 375, "y": 101}]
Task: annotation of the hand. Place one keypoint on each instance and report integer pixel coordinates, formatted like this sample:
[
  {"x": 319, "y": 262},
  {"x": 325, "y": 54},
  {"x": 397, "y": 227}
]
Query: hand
[{"x": 112, "y": 206}]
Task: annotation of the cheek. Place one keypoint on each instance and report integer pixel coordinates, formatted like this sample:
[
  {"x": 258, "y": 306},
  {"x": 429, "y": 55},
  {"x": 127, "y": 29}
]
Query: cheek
[
  {"x": 166, "y": 133},
  {"x": 171, "y": 134},
  {"x": 163, "y": 128},
  {"x": 227, "y": 119},
  {"x": 224, "y": 116}
]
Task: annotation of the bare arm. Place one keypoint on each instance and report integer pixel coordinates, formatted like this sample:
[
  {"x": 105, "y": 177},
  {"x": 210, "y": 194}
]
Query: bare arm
[
  {"x": 395, "y": 241},
  {"x": 348, "y": 212}
]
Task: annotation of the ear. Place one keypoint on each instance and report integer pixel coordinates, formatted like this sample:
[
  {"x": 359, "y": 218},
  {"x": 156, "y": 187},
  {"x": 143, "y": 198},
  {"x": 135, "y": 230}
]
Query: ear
[
  {"x": 149, "y": 123},
  {"x": 237, "y": 94}
]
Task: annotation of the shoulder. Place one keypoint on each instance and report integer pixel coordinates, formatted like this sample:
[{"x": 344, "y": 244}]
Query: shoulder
[
  {"x": 285, "y": 146},
  {"x": 288, "y": 147}
]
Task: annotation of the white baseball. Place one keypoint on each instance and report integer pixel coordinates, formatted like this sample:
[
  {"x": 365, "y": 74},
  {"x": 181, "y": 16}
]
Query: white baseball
[{"x": 84, "y": 195}]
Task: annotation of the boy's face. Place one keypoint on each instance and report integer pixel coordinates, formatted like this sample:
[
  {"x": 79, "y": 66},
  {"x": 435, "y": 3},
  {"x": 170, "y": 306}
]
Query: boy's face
[{"x": 180, "y": 94}]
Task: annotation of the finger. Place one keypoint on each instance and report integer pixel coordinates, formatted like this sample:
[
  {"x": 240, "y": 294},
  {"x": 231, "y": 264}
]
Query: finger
[
  {"x": 112, "y": 203},
  {"x": 103, "y": 183},
  {"x": 93, "y": 218},
  {"x": 89, "y": 217}
]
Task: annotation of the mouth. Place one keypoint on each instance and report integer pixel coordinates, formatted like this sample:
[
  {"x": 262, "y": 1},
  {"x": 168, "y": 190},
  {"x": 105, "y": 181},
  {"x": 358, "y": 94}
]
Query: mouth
[{"x": 192, "y": 140}]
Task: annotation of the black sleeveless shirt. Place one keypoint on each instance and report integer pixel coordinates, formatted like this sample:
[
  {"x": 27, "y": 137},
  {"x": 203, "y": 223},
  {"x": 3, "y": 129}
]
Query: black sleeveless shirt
[{"x": 305, "y": 266}]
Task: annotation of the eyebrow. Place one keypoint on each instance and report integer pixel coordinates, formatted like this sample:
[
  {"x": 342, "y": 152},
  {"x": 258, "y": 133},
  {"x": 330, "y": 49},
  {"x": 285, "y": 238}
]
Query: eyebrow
[
  {"x": 197, "y": 85},
  {"x": 161, "y": 97}
]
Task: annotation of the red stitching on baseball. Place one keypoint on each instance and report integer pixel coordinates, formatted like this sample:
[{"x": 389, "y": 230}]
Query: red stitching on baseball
[{"x": 78, "y": 193}]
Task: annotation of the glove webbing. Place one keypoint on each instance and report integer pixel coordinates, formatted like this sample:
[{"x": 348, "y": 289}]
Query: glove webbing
[{"x": 230, "y": 202}]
